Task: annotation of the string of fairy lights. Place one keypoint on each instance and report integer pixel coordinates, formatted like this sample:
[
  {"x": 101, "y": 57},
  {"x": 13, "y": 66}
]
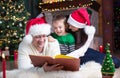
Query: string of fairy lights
[
  {"x": 52, "y": 1},
  {"x": 46, "y": 3},
  {"x": 10, "y": 8}
]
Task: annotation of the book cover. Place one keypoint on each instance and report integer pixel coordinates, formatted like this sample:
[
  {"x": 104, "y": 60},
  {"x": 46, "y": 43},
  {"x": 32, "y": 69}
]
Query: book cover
[{"x": 69, "y": 63}]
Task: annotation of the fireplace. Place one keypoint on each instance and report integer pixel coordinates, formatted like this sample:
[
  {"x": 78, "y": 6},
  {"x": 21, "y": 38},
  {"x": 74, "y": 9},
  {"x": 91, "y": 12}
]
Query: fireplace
[{"x": 94, "y": 21}]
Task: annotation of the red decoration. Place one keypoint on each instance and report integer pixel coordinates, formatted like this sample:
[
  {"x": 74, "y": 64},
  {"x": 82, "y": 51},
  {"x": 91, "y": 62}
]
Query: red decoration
[
  {"x": 4, "y": 65},
  {"x": 15, "y": 55},
  {"x": 101, "y": 48}
]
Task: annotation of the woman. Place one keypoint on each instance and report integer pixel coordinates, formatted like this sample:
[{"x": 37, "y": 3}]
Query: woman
[{"x": 79, "y": 23}]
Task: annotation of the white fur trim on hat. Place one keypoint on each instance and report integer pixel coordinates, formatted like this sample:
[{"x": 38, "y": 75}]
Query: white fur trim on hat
[
  {"x": 40, "y": 29},
  {"x": 75, "y": 23}
]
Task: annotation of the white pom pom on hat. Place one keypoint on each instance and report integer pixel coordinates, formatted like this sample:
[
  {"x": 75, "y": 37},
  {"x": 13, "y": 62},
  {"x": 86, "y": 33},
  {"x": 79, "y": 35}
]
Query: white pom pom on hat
[
  {"x": 28, "y": 39},
  {"x": 36, "y": 26},
  {"x": 89, "y": 30}
]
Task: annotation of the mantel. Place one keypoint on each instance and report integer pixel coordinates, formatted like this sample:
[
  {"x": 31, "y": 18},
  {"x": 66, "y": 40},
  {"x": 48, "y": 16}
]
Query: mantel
[{"x": 65, "y": 5}]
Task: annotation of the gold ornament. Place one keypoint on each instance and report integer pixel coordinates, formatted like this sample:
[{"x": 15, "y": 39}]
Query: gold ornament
[
  {"x": 108, "y": 61},
  {"x": 8, "y": 41},
  {"x": 14, "y": 33},
  {"x": 3, "y": 7},
  {"x": 7, "y": 13},
  {"x": 108, "y": 68},
  {"x": 13, "y": 23},
  {"x": 20, "y": 24},
  {"x": 1, "y": 31},
  {"x": 0, "y": 22},
  {"x": 16, "y": 36},
  {"x": 14, "y": 17},
  {"x": 18, "y": 6},
  {"x": 7, "y": 26},
  {"x": 6, "y": 48},
  {"x": 20, "y": 39}
]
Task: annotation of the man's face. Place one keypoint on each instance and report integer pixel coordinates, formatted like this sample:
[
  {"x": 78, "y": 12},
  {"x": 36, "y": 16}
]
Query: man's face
[
  {"x": 39, "y": 41},
  {"x": 59, "y": 27}
]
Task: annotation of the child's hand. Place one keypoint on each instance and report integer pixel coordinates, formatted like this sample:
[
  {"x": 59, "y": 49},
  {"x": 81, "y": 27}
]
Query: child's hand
[{"x": 51, "y": 39}]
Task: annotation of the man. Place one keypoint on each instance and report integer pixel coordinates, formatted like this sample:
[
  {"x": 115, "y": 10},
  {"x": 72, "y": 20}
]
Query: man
[{"x": 37, "y": 42}]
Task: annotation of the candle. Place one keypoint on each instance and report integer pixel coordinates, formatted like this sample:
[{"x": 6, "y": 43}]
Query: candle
[
  {"x": 4, "y": 65},
  {"x": 101, "y": 48},
  {"x": 15, "y": 55}
]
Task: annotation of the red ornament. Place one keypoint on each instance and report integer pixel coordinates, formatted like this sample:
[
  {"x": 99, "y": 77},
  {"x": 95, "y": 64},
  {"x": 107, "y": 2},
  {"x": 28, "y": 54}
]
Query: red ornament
[{"x": 101, "y": 48}]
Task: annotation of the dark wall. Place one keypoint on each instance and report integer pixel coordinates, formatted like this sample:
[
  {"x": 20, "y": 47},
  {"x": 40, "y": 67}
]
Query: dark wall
[{"x": 32, "y": 7}]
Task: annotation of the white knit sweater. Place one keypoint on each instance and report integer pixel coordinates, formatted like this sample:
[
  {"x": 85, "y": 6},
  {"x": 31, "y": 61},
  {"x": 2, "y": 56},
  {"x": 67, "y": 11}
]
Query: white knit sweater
[{"x": 24, "y": 62}]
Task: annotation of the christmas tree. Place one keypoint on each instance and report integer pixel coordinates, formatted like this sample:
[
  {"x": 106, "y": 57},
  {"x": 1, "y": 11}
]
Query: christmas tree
[
  {"x": 108, "y": 67},
  {"x": 13, "y": 18}
]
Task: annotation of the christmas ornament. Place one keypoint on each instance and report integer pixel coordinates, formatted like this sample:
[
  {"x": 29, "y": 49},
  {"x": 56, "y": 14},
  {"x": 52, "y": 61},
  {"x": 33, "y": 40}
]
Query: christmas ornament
[
  {"x": 0, "y": 22},
  {"x": 108, "y": 67},
  {"x": 20, "y": 24}
]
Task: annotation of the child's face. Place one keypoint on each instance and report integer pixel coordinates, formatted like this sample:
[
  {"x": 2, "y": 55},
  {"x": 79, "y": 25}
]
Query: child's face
[{"x": 59, "y": 27}]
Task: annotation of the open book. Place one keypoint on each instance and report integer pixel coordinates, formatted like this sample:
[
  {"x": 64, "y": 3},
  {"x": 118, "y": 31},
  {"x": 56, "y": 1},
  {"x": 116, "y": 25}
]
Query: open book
[{"x": 69, "y": 63}]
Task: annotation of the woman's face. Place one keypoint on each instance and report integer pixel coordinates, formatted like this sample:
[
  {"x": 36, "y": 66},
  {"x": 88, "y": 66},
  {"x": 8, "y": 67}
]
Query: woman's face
[
  {"x": 39, "y": 41},
  {"x": 74, "y": 29}
]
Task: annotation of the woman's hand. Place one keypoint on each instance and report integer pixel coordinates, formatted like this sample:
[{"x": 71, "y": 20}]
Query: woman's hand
[{"x": 55, "y": 67}]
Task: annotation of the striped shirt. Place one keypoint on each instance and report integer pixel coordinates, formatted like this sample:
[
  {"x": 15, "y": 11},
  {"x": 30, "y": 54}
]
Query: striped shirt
[{"x": 67, "y": 42}]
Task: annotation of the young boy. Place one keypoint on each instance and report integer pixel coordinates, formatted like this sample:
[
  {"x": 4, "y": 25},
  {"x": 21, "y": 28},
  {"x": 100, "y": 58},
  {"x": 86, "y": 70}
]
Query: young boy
[{"x": 65, "y": 39}]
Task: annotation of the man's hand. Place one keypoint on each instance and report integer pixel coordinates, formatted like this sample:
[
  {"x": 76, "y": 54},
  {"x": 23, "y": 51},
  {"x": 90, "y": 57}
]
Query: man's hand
[{"x": 55, "y": 67}]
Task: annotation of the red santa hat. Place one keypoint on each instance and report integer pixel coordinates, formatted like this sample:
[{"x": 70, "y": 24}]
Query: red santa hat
[
  {"x": 79, "y": 18},
  {"x": 36, "y": 26}
]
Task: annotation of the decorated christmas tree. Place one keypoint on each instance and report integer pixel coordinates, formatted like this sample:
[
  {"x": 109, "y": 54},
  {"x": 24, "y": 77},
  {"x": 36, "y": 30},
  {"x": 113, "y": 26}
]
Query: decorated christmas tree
[
  {"x": 108, "y": 67},
  {"x": 13, "y": 18}
]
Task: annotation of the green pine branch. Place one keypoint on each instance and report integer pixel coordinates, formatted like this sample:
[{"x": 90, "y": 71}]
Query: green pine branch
[{"x": 13, "y": 18}]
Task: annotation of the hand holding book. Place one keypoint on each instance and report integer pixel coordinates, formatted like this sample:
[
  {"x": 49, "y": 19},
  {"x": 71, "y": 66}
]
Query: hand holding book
[
  {"x": 68, "y": 63},
  {"x": 54, "y": 67}
]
